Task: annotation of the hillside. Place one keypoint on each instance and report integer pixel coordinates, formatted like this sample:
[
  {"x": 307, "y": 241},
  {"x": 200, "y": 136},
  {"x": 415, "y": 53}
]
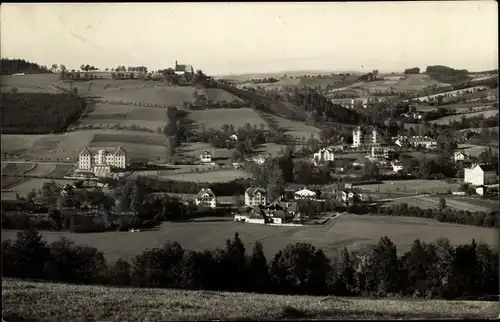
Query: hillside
[
  {"x": 13, "y": 66},
  {"x": 39, "y": 301}
]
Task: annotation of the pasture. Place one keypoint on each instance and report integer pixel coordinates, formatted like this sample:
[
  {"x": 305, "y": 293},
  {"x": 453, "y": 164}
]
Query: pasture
[
  {"x": 17, "y": 169},
  {"x": 474, "y": 150},
  {"x": 351, "y": 231},
  {"x": 10, "y": 182},
  {"x": 41, "y": 170},
  {"x": 67, "y": 146},
  {"x": 296, "y": 129},
  {"x": 27, "y": 186},
  {"x": 33, "y": 83},
  {"x": 454, "y": 203},
  {"x": 457, "y": 117},
  {"x": 220, "y": 175},
  {"x": 417, "y": 186},
  {"x": 215, "y": 118},
  {"x": 69, "y": 302},
  {"x": 412, "y": 83}
]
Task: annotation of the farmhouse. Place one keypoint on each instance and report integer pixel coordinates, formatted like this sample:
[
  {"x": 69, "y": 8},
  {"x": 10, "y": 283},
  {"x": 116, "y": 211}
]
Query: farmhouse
[
  {"x": 350, "y": 196},
  {"x": 305, "y": 194},
  {"x": 206, "y": 198},
  {"x": 206, "y": 156},
  {"x": 480, "y": 175},
  {"x": 181, "y": 69},
  {"x": 396, "y": 167},
  {"x": 233, "y": 137},
  {"x": 255, "y": 196},
  {"x": 100, "y": 163},
  {"x": 459, "y": 156},
  {"x": 365, "y": 137},
  {"x": 379, "y": 154},
  {"x": 323, "y": 155}
]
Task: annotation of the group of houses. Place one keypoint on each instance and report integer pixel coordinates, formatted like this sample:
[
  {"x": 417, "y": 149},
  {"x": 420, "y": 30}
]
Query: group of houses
[{"x": 415, "y": 141}]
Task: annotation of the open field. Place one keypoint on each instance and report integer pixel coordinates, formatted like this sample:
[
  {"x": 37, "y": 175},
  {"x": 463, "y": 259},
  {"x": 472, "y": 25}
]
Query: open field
[
  {"x": 410, "y": 186},
  {"x": 56, "y": 147},
  {"x": 419, "y": 155},
  {"x": 351, "y": 231},
  {"x": 475, "y": 150},
  {"x": 10, "y": 182},
  {"x": 458, "y": 117},
  {"x": 454, "y": 203},
  {"x": 41, "y": 169},
  {"x": 17, "y": 169},
  {"x": 212, "y": 176},
  {"x": 35, "y": 183},
  {"x": 412, "y": 83},
  {"x": 67, "y": 302},
  {"x": 215, "y": 118},
  {"x": 194, "y": 150},
  {"x": 34, "y": 83},
  {"x": 294, "y": 128}
]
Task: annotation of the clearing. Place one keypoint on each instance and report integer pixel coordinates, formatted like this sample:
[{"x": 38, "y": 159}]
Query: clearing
[
  {"x": 68, "y": 302},
  {"x": 351, "y": 231},
  {"x": 454, "y": 203},
  {"x": 215, "y": 118},
  {"x": 457, "y": 117},
  {"x": 417, "y": 186},
  {"x": 67, "y": 146}
]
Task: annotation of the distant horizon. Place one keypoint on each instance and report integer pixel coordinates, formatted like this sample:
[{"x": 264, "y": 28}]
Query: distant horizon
[{"x": 225, "y": 38}]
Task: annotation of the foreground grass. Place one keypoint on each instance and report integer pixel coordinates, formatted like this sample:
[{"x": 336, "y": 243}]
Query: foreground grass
[{"x": 37, "y": 301}]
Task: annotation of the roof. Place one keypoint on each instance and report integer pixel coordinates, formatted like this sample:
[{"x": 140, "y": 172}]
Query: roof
[
  {"x": 206, "y": 152},
  {"x": 251, "y": 191},
  {"x": 183, "y": 68},
  {"x": 306, "y": 192},
  {"x": 205, "y": 191},
  {"x": 487, "y": 167},
  {"x": 90, "y": 151}
]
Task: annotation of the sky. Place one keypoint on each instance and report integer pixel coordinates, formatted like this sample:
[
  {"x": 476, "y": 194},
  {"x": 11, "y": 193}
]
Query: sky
[{"x": 231, "y": 38}]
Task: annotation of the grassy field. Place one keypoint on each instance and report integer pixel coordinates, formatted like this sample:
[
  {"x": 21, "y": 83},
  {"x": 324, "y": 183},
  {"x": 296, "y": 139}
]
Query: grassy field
[
  {"x": 10, "y": 182},
  {"x": 35, "y": 183},
  {"x": 194, "y": 150},
  {"x": 40, "y": 301},
  {"x": 212, "y": 176},
  {"x": 458, "y": 117},
  {"x": 35, "y": 83},
  {"x": 475, "y": 150},
  {"x": 17, "y": 169},
  {"x": 351, "y": 231},
  {"x": 454, "y": 203},
  {"x": 69, "y": 145},
  {"x": 296, "y": 129},
  {"x": 215, "y": 118},
  {"x": 42, "y": 169},
  {"x": 410, "y": 186},
  {"x": 413, "y": 82}
]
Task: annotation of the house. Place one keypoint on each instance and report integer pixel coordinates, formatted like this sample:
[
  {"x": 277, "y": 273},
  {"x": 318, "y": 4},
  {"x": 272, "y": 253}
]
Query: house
[
  {"x": 422, "y": 142},
  {"x": 255, "y": 196},
  {"x": 480, "y": 175},
  {"x": 459, "y": 156},
  {"x": 379, "y": 154},
  {"x": 365, "y": 137},
  {"x": 182, "y": 69},
  {"x": 350, "y": 196},
  {"x": 396, "y": 167},
  {"x": 206, "y": 156},
  {"x": 206, "y": 198},
  {"x": 323, "y": 155},
  {"x": 305, "y": 194},
  {"x": 233, "y": 137},
  {"x": 260, "y": 159},
  {"x": 102, "y": 162}
]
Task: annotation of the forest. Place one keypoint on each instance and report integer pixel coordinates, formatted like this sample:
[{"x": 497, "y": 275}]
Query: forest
[
  {"x": 13, "y": 66},
  {"x": 39, "y": 113}
]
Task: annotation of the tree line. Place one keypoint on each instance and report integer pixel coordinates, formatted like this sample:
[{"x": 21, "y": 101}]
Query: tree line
[
  {"x": 431, "y": 270},
  {"x": 414, "y": 70},
  {"x": 14, "y": 66},
  {"x": 39, "y": 113}
]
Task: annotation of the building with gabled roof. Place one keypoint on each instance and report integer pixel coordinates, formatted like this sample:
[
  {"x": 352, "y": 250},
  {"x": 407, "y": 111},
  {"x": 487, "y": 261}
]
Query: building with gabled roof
[
  {"x": 181, "y": 69},
  {"x": 255, "y": 196},
  {"x": 102, "y": 161},
  {"x": 206, "y": 198},
  {"x": 480, "y": 175}
]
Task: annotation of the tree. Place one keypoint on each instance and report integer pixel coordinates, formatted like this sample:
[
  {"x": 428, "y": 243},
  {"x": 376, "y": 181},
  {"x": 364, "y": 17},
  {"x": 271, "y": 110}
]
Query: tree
[
  {"x": 442, "y": 204},
  {"x": 259, "y": 270},
  {"x": 345, "y": 282},
  {"x": 384, "y": 269},
  {"x": 276, "y": 184},
  {"x": 54, "y": 68},
  {"x": 119, "y": 273},
  {"x": 62, "y": 68}
]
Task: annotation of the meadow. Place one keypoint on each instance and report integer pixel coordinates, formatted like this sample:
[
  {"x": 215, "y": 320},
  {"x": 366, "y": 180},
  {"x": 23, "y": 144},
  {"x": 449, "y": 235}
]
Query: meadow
[
  {"x": 67, "y": 302},
  {"x": 412, "y": 83},
  {"x": 351, "y": 231},
  {"x": 453, "y": 203},
  {"x": 457, "y": 117},
  {"x": 410, "y": 186},
  {"x": 28, "y": 184},
  {"x": 215, "y": 118},
  {"x": 67, "y": 146},
  {"x": 222, "y": 175},
  {"x": 475, "y": 150},
  {"x": 295, "y": 129}
]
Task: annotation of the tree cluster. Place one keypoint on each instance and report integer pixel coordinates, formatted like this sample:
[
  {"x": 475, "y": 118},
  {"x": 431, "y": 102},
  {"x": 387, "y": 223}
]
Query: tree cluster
[
  {"x": 14, "y": 66},
  {"x": 414, "y": 70},
  {"x": 39, "y": 113},
  {"x": 431, "y": 270}
]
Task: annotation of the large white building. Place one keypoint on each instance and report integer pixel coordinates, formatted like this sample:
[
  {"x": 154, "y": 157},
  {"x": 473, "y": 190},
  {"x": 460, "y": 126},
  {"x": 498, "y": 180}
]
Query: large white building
[
  {"x": 206, "y": 198},
  {"x": 365, "y": 138},
  {"x": 255, "y": 196},
  {"x": 323, "y": 155},
  {"x": 479, "y": 175},
  {"x": 101, "y": 162}
]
